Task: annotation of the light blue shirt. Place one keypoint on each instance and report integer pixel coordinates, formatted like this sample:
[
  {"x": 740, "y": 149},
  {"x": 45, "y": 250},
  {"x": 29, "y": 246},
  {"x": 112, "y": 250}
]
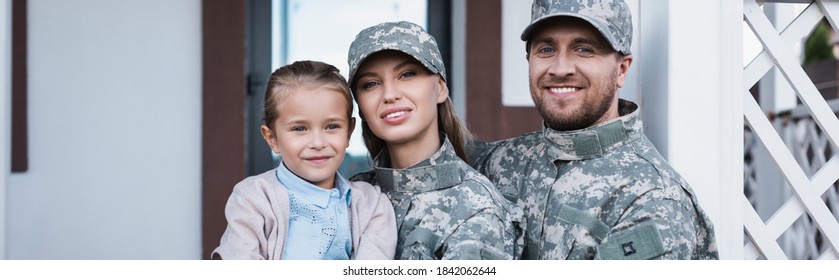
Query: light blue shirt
[{"x": 319, "y": 221}]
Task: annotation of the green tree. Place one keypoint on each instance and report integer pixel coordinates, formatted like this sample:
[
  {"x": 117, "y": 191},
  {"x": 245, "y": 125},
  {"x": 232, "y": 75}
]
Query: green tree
[{"x": 818, "y": 46}]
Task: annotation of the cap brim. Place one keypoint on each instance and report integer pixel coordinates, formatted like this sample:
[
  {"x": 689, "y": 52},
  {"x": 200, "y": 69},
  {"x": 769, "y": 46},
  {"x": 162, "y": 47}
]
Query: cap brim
[
  {"x": 367, "y": 54},
  {"x": 525, "y": 35}
]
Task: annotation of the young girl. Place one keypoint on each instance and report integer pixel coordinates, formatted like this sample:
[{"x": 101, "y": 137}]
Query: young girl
[
  {"x": 444, "y": 208},
  {"x": 305, "y": 209}
]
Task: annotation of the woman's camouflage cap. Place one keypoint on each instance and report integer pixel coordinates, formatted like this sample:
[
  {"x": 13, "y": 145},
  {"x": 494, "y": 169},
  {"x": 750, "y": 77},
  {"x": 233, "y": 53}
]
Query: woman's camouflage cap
[
  {"x": 611, "y": 17},
  {"x": 402, "y": 36}
]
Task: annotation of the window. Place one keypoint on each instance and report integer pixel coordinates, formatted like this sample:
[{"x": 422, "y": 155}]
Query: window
[{"x": 322, "y": 30}]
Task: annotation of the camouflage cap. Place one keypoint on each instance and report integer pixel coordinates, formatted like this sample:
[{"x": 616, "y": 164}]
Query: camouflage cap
[
  {"x": 611, "y": 17},
  {"x": 402, "y": 36}
]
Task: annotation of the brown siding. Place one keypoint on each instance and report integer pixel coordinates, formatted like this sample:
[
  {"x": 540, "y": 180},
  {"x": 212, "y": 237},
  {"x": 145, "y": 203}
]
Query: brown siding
[
  {"x": 223, "y": 104},
  {"x": 486, "y": 117},
  {"x": 20, "y": 133}
]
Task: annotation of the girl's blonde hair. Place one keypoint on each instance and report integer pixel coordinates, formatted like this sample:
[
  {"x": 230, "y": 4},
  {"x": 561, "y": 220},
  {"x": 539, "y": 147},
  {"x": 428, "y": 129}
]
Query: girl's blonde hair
[
  {"x": 447, "y": 121},
  {"x": 306, "y": 73}
]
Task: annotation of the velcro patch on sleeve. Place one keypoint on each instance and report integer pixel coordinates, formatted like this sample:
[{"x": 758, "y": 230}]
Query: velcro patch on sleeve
[{"x": 640, "y": 242}]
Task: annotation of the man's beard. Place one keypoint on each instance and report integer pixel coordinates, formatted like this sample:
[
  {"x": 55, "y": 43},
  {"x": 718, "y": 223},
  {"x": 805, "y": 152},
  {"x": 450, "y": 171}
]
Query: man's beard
[{"x": 592, "y": 109}]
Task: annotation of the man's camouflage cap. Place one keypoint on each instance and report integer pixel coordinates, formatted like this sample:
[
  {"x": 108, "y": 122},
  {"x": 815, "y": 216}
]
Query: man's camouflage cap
[
  {"x": 611, "y": 17},
  {"x": 401, "y": 36}
]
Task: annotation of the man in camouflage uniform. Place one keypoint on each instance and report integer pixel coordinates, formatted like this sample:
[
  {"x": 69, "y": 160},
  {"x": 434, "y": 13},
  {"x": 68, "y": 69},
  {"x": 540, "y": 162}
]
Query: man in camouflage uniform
[
  {"x": 444, "y": 208},
  {"x": 591, "y": 184}
]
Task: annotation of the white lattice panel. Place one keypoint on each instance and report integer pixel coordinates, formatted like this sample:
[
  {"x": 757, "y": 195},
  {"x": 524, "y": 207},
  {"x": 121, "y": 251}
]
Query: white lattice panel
[
  {"x": 811, "y": 176},
  {"x": 809, "y": 146}
]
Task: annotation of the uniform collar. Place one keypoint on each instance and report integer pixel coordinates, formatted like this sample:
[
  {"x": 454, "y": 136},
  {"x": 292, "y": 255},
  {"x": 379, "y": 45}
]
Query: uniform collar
[
  {"x": 313, "y": 194},
  {"x": 439, "y": 171},
  {"x": 595, "y": 141}
]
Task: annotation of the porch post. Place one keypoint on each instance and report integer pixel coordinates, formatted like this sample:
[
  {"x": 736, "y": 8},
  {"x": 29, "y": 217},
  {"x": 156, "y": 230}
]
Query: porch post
[{"x": 692, "y": 94}]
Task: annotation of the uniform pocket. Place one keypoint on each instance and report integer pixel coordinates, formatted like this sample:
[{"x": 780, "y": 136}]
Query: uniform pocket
[
  {"x": 417, "y": 251},
  {"x": 571, "y": 233},
  {"x": 420, "y": 244},
  {"x": 640, "y": 242}
]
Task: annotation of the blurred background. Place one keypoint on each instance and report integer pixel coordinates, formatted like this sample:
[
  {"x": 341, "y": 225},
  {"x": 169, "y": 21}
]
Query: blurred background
[{"x": 127, "y": 123}]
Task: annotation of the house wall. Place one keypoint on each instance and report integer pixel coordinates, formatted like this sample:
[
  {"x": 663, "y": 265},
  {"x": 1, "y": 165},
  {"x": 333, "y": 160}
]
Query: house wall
[
  {"x": 5, "y": 108},
  {"x": 114, "y": 132}
]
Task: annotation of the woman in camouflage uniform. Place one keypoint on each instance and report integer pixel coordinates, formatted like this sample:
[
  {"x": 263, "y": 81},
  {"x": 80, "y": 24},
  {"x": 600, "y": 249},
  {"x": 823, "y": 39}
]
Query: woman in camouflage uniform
[{"x": 444, "y": 208}]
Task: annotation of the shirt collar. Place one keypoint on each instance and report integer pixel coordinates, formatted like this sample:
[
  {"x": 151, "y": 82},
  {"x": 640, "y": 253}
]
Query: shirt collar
[
  {"x": 311, "y": 193},
  {"x": 437, "y": 172},
  {"x": 595, "y": 141}
]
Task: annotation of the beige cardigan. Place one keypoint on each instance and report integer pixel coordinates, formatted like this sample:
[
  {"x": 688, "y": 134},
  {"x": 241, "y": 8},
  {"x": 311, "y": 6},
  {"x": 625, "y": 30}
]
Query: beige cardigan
[{"x": 257, "y": 221}]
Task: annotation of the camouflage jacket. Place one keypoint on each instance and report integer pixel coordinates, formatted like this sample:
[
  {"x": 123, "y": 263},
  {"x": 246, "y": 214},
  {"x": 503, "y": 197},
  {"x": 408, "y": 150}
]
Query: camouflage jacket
[
  {"x": 598, "y": 193},
  {"x": 447, "y": 210}
]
